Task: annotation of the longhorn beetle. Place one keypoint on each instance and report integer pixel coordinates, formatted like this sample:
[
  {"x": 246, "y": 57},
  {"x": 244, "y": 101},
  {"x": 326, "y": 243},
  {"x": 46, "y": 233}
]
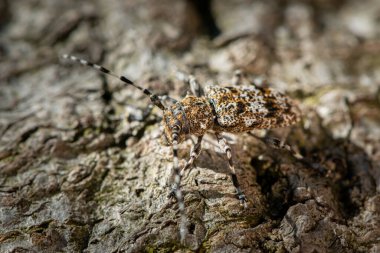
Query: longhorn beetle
[{"x": 218, "y": 109}]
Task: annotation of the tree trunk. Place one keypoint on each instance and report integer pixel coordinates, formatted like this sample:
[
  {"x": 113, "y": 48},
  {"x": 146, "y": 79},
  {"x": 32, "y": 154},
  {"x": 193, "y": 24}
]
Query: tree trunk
[{"x": 82, "y": 165}]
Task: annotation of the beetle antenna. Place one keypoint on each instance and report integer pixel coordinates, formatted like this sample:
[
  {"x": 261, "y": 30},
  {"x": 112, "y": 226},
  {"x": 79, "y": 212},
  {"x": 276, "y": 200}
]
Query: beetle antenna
[
  {"x": 177, "y": 186},
  {"x": 153, "y": 97}
]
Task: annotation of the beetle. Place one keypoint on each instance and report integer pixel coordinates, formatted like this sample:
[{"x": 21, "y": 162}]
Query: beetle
[{"x": 218, "y": 109}]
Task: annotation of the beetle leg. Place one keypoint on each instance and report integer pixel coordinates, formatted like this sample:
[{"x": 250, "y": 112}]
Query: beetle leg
[
  {"x": 176, "y": 189},
  {"x": 237, "y": 78},
  {"x": 278, "y": 144},
  {"x": 167, "y": 98},
  {"x": 195, "y": 88},
  {"x": 227, "y": 150},
  {"x": 194, "y": 153}
]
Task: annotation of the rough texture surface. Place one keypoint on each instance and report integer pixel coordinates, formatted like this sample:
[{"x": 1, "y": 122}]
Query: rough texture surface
[{"x": 81, "y": 164}]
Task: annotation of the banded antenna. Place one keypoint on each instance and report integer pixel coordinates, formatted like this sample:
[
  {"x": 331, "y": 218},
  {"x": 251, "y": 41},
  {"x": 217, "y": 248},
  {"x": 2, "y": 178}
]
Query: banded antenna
[{"x": 153, "y": 97}]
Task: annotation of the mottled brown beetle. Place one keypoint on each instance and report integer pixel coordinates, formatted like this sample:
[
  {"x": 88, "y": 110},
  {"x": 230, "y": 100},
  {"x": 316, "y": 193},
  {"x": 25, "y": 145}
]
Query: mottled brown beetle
[{"x": 218, "y": 109}]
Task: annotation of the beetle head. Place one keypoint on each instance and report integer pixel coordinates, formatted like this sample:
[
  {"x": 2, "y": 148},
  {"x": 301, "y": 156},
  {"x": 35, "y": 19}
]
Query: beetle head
[{"x": 175, "y": 123}]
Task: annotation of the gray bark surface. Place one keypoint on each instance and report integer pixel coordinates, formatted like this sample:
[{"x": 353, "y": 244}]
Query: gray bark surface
[{"x": 82, "y": 167}]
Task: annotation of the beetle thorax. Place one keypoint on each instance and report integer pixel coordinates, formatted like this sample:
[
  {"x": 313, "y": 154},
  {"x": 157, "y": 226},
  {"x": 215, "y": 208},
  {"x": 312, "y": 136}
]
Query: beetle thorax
[{"x": 193, "y": 115}]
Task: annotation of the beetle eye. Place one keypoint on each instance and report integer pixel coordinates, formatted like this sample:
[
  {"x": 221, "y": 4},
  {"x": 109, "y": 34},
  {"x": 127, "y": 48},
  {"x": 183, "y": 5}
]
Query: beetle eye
[{"x": 164, "y": 140}]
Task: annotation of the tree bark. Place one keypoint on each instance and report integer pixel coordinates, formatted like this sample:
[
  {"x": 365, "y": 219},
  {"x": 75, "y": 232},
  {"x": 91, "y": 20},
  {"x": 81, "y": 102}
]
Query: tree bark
[{"x": 82, "y": 165}]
